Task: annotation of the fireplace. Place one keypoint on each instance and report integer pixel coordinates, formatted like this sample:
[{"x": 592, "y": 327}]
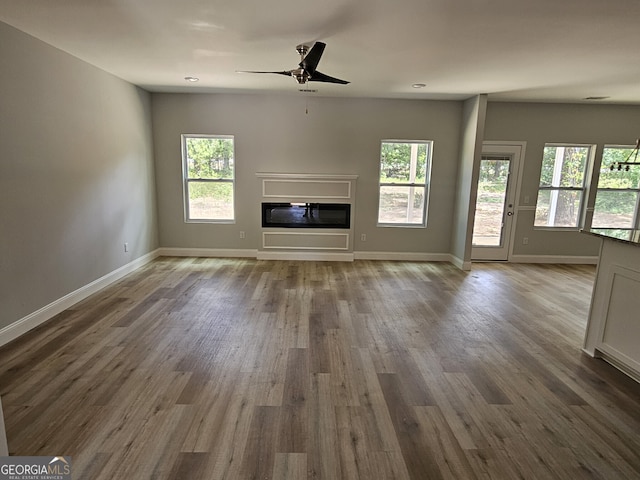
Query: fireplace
[{"x": 306, "y": 215}]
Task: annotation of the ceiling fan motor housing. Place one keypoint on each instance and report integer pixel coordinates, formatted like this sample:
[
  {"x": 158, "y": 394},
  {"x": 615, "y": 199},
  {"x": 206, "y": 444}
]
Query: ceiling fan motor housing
[
  {"x": 302, "y": 50},
  {"x": 301, "y": 75}
]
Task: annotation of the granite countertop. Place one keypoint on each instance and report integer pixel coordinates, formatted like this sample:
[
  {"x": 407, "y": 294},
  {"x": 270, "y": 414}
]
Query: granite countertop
[{"x": 625, "y": 235}]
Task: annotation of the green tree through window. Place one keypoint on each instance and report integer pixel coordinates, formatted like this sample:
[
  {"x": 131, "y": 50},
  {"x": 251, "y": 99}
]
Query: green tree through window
[
  {"x": 404, "y": 181},
  {"x": 562, "y": 185},
  {"x": 618, "y": 194},
  {"x": 208, "y": 166}
]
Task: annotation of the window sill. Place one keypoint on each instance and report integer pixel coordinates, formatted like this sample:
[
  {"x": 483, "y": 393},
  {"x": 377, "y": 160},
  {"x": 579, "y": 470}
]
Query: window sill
[
  {"x": 558, "y": 229},
  {"x": 216, "y": 222},
  {"x": 400, "y": 225}
]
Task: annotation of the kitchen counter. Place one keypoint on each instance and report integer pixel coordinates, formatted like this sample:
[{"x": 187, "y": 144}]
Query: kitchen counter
[{"x": 626, "y": 235}]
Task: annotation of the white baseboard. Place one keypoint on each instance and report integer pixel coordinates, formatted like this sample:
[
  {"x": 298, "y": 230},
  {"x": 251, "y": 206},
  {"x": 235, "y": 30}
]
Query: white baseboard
[
  {"x": 622, "y": 366},
  {"x": 23, "y": 325},
  {"x": 317, "y": 256},
  {"x": 404, "y": 256},
  {"x": 307, "y": 256},
  {"x": 560, "y": 259},
  {"x": 461, "y": 264},
  {"x": 207, "y": 252}
]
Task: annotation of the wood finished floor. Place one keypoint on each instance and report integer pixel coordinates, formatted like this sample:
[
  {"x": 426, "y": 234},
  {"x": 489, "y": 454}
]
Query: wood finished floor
[{"x": 246, "y": 369}]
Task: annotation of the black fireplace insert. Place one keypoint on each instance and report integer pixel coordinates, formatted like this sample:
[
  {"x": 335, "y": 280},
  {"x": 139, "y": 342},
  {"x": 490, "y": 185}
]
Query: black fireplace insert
[{"x": 306, "y": 215}]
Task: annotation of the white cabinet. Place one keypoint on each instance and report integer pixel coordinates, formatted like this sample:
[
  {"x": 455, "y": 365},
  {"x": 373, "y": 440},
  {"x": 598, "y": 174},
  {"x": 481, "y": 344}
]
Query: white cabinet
[{"x": 613, "y": 330}]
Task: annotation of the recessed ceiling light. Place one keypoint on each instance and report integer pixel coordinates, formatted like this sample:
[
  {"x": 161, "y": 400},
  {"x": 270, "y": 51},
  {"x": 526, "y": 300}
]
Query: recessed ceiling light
[
  {"x": 419, "y": 85},
  {"x": 191, "y": 79}
]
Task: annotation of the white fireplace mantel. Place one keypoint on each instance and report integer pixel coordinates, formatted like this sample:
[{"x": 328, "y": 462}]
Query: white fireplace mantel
[{"x": 309, "y": 243}]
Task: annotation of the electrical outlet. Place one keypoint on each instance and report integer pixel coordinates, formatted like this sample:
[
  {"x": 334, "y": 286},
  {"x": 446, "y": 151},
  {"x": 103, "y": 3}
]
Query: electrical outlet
[
  {"x": 241, "y": 234},
  {"x": 525, "y": 240},
  {"x": 363, "y": 237}
]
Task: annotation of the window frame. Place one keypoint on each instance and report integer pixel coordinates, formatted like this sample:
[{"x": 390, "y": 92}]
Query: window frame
[
  {"x": 583, "y": 189},
  {"x": 186, "y": 180},
  {"x": 636, "y": 213},
  {"x": 426, "y": 185}
]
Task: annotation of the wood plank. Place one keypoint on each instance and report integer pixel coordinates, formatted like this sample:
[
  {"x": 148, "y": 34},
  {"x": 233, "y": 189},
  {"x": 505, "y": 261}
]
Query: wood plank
[
  {"x": 189, "y": 465},
  {"x": 290, "y": 466},
  {"x": 239, "y": 368},
  {"x": 319, "y": 353},
  {"x": 448, "y": 454},
  {"x": 323, "y": 460},
  {"x": 293, "y": 425},
  {"x": 353, "y": 447},
  {"x": 416, "y": 452},
  {"x": 259, "y": 457}
]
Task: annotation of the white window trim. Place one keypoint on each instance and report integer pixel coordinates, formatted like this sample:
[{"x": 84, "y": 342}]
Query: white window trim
[
  {"x": 426, "y": 185},
  {"x": 584, "y": 189},
  {"x": 185, "y": 180}
]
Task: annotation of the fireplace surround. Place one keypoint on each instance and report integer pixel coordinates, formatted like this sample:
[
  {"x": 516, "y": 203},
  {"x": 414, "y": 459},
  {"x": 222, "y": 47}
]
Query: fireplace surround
[{"x": 307, "y": 216}]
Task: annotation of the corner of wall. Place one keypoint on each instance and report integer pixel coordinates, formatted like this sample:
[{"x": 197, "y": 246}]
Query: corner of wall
[
  {"x": 31, "y": 321},
  {"x": 471, "y": 137}
]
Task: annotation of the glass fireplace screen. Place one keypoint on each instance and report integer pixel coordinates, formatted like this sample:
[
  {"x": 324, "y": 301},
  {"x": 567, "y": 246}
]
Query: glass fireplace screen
[{"x": 306, "y": 215}]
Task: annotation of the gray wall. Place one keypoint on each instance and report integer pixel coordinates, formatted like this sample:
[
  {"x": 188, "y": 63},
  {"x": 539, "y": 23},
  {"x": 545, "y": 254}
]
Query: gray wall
[
  {"x": 471, "y": 134},
  {"x": 275, "y": 134},
  {"x": 538, "y": 124},
  {"x": 76, "y": 174}
]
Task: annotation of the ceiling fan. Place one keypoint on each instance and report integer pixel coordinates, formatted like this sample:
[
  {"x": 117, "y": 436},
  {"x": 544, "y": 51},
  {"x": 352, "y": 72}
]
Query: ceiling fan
[{"x": 306, "y": 71}]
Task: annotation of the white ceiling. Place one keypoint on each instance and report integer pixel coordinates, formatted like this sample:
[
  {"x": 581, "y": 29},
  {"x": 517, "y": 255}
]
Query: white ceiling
[{"x": 513, "y": 50}]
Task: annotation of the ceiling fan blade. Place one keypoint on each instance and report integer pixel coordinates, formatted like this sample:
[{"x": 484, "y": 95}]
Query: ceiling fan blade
[
  {"x": 311, "y": 60},
  {"x": 284, "y": 72},
  {"x": 321, "y": 77}
]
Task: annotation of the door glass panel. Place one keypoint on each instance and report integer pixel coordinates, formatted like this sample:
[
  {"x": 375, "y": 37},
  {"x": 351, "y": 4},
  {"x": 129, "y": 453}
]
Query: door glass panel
[{"x": 490, "y": 203}]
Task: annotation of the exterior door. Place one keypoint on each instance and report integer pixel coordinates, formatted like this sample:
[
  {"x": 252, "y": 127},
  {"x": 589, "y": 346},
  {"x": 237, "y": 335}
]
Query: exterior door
[{"x": 495, "y": 202}]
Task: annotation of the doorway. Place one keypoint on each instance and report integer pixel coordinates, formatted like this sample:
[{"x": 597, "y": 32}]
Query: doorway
[{"x": 495, "y": 202}]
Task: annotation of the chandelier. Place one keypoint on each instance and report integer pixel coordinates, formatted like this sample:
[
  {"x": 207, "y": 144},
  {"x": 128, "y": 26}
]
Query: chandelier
[{"x": 626, "y": 164}]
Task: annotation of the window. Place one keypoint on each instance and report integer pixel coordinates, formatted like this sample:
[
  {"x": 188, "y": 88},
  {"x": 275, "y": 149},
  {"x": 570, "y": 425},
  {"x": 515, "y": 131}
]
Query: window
[
  {"x": 208, "y": 172},
  {"x": 404, "y": 182},
  {"x": 562, "y": 185},
  {"x": 618, "y": 194}
]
